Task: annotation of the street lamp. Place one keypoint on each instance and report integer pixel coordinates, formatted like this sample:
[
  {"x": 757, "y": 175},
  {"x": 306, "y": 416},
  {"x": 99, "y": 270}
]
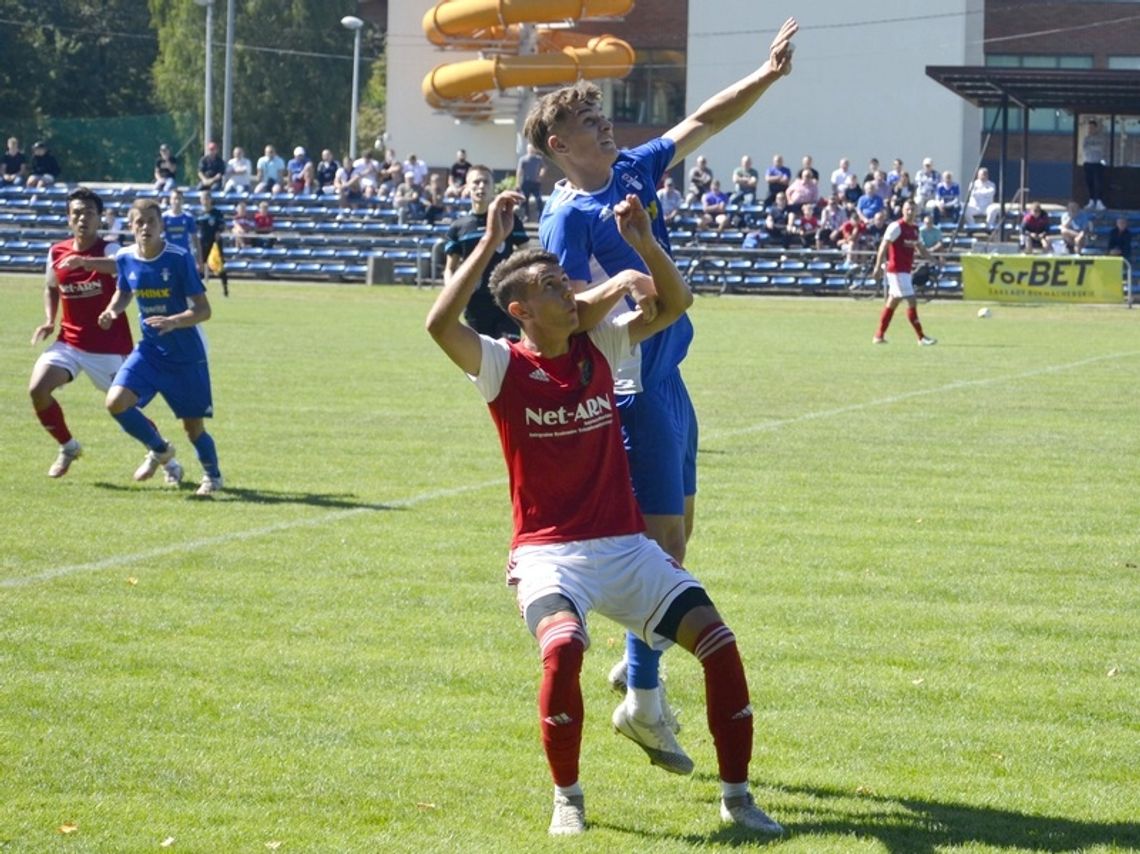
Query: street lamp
[
  {"x": 208, "y": 119},
  {"x": 351, "y": 22}
]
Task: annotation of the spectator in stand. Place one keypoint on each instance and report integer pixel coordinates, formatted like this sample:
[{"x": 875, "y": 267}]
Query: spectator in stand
[
  {"x": 244, "y": 226},
  {"x": 270, "y": 172},
  {"x": 831, "y": 219},
  {"x": 870, "y": 203},
  {"x": 670, "y": 200},
  {"x": 715, "y": 208},
  {"x": 776, "y": 220},
  {"x": 804, "y": 190},
  {"x": 211, "y": 225},
  {"x": 876, "y": 228},
  {"x": 211, "y": 169},
  {"x": 457, "y": 175},
  {"x": 882, "y": 188},
  {"x": 700, "y": 181},
  {"x": 947, "y": 201},
  {"x": 805, "y": 225},
  {"x": 1120, "y": 239},
  {"x": 419, "y": 171},
  {"x": 15, "y": 168},
  {"x": 165, "y": 170},
  {"x": 389, "y": 172},
  {"x": 872, "y": 169},
  {"x": 406, "y": 200},
  {"x": 896, "y": 171},
  {"x": 1094, "y": 153},
  {"x": 263, "y": 225},
  {"x": 778, "y": 176},
  {"x": 1076, "y": 228},
  {"x": 902, "y": 191},
  {"x": 302, "y": 175},
  {"x": 981, "y": 202},
  {"x": 347, "y": 186},
  {"x": 851, "y": 192},
  {"x": 839, "y": 176},
  {"x": 746, "y": 179},
  {"x": 366, "y": 173},
  {"x": 435, "y": 199},
  {"x": 1035, "y": 230},
  {"x": 239, "y": 172},
  {"x": 924, "y": 184},
  {"x": 115, "y": 228},
  {"x": 528, "y": 179},
  {"x": 930, "y": 234},
  {"x": 806, "y": 163},
  {"x": 325, "y": 173},
  {"x": 851, "y": 237}
]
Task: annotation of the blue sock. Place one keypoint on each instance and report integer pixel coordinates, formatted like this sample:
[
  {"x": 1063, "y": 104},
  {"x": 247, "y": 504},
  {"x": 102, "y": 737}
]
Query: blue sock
[
  {"x": 138, "y": 425},
  {"x": 207, "y": 454},
  {"x": 643, "y": 662}
]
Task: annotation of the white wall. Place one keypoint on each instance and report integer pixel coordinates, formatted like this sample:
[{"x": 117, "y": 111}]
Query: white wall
[{"x": 858, "y": 88}]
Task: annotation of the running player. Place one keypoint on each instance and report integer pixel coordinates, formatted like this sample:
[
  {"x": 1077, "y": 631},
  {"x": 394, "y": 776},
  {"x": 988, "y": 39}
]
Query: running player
[
  {"x": 83, "y": 346},
  {"x": 170, "y": 358},
  {"x": 578, "y": 541},
  {"x": 899, "y": 243},
  {"x": 211, "y": 225},
  {"x": 658, "y": 420}
]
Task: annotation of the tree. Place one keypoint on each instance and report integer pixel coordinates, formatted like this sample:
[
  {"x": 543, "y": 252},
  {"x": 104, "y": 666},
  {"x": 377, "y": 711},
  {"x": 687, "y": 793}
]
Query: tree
[{"x": 292, "y": 69}]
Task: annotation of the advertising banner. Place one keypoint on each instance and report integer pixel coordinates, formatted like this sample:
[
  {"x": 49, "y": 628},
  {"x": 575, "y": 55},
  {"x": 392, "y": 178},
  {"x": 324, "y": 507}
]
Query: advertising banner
[{"x": 1042, "y": 278}]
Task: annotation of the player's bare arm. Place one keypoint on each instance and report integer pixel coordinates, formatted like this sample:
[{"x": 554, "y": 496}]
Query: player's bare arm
[
  {"x": 114, "y": 308},
  {"x": 594, "y": 303},
  {"x": 444, "y": 324},
  {"x": 198, "y": 312},
  {"x": 728, "y": 105},
  {"x": 97, "y": 265},
  {"x": 51, "y": 308},
  {"x": 673, "y": 295},
  {"x": 880, "y": 258}
]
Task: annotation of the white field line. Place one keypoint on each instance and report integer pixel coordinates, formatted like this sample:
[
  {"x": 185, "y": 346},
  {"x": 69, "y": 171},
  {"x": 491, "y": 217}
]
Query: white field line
[{"x": 338, "y": 515}]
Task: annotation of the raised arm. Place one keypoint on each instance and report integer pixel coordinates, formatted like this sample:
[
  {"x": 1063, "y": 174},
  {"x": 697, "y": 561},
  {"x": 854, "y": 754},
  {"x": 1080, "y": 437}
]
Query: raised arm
[
  {"x": 726, "y": 106},
  {"x": 444, "y": 321}
]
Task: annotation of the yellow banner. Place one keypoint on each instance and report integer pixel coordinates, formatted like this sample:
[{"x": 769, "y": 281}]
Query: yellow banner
[{"x": 1042, "y": 278}]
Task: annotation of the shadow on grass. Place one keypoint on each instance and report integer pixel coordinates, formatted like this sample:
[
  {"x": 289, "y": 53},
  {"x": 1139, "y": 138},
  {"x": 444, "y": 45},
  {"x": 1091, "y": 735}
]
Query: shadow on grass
[
  {"x": 336, "y": 501},
  {"x": 917, "y": 826}
]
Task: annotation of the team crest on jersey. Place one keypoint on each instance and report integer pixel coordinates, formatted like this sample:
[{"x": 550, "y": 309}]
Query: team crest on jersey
[
  {"x": 630, "y": 180},
  {"x": 165, "y": 274},
  {"x": 586, "y": 371}
]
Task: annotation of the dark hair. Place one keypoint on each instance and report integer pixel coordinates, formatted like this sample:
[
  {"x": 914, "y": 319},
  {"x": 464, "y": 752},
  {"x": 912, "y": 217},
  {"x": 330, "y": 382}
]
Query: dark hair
[
  {"x": 511, "y": 276},
  {"x": 86, "y": 196}
]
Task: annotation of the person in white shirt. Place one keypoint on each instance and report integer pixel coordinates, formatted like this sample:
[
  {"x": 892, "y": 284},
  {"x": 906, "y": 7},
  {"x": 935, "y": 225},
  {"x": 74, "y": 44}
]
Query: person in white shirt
[
  {"x": 839, "y": 176},
  {"x": 239, "y": 172},
  {"x": 981, "y": 201},
  {"x": 671, "y": 201}
]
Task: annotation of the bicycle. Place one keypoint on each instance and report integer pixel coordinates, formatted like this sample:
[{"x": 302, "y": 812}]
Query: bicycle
[{"x": 862, "y": 284}]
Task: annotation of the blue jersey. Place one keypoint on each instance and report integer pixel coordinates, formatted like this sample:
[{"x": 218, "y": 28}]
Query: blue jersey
[
  {"x": 162, "y": 286},
  {"x": 579, "y": 229},
  {"x": 179, "y": 228}
]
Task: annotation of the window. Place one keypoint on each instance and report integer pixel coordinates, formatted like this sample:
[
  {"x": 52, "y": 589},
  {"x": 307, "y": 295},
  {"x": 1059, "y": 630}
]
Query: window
[
  {"x": 654, "y": 91},
  {"x": 1045, "y": 120}
]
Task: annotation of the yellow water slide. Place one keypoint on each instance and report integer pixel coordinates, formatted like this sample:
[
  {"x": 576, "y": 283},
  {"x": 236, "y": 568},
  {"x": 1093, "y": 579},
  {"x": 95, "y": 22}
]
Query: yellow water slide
[{"x": 492, "y": 26}]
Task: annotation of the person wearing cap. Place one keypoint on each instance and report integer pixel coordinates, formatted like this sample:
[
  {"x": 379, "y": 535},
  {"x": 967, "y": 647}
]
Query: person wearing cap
[
  {"x": 165, "y": 170},
  {"x": 211, "y": 169},
  {"x": 44, "y": 169},
  {"x": 270, "y": 168},
  {"x": 301, "y": 173}
]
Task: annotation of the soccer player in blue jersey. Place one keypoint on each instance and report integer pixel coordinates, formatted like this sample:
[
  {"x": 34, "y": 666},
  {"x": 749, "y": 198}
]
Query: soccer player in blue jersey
[
  {"x": 658, "y": 421},
  {"x": 180, "y": 228},
  {"x": 170, "y": 358}
]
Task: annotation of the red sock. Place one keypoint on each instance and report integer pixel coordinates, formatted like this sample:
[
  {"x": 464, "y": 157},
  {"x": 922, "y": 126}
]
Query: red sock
[
  {"x": 726, "y": 694},
  {"x": 912, "y": 316},
  {"x": 560, "y": 708},
  {"x": 54, "y": 423},
  {"x": 885, "y": 320}
]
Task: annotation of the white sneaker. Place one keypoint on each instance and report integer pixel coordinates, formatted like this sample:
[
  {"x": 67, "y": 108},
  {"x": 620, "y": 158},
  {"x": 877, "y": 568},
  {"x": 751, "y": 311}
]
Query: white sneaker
[
  {"x": 656, "y": 739},
  {"x": 569, "y": 816},
  {"x": 1090, "y": 206},
  {"x": 172, "y": 473},
  {"x": 878, "y": 339},
  {"x": 741, "y": 810},
  {"x": 152, "y": 461},
  {"x": 209, "y": 485},
  {"x": 1099, "y": 205},
  {"x": 618, "y": 677},
  {"x": 67, "y": 455},
  {"x": 927, "y": 341}
]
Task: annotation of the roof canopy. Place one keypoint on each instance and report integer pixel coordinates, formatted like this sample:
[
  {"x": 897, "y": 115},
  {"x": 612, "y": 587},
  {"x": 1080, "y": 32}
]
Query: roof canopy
[{"x": 1075, "y": 90}]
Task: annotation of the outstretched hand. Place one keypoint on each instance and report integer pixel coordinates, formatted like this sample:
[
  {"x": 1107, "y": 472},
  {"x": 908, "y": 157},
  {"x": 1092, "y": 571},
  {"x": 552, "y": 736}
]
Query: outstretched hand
[
  {"x": 501, "y": 215},
  {"x": 780, "y": 51}
]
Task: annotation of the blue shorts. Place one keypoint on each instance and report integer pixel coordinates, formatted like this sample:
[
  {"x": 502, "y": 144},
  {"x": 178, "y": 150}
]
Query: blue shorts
[
  {"x": 659, "y": 430},
  {"x": 185, "y": 386}
]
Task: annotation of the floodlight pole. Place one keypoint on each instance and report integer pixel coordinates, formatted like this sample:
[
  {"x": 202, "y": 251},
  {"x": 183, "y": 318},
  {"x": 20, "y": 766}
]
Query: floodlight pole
[
  {"x": 351, "y": 22},
  {"x": 228, "y": 106}
]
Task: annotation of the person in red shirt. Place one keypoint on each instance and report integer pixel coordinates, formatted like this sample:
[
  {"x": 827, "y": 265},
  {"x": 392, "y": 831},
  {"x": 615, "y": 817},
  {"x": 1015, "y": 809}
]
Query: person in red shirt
[
  {"x": 898, "y": 246},
  {"x": 82, "y": 346},
  {"x": 579, "y": 539}
]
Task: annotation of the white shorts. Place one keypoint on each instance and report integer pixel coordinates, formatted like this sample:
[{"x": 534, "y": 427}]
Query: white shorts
[
  {"x": 899, "y": 285},
  {"x": 628, "y": 579},
  {"x": 99, "y": 367}
]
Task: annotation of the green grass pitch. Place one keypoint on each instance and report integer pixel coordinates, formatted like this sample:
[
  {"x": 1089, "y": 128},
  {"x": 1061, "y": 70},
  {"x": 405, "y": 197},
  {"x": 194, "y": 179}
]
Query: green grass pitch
[{"x": 929, "y": 556}]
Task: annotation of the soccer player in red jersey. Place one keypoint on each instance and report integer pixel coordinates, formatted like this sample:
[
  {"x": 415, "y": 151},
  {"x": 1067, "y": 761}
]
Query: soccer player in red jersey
[
  {"x": 579, "y": 539},
  {"x": 898, "y": 246},
  {"x": 82, "y": 346}
]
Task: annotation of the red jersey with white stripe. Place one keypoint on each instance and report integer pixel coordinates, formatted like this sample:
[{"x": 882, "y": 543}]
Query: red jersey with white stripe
[
  {"x": 903, "y": 238},
  {"x": 83, "y": 294},
  {"x": 561, "y": 438}
]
